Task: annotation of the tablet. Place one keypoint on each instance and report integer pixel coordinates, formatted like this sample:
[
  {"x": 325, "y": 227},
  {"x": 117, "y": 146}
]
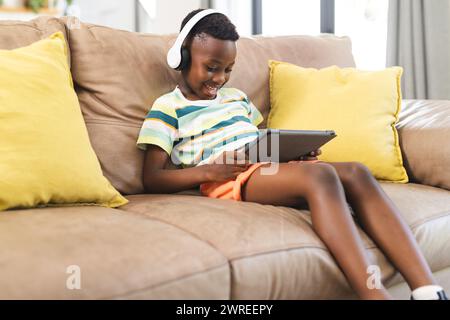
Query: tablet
[{"x": 276, "y": 145}]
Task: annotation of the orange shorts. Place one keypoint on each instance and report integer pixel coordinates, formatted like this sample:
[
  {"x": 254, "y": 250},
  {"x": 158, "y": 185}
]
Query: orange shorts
[{"x": 232, "y": 189}]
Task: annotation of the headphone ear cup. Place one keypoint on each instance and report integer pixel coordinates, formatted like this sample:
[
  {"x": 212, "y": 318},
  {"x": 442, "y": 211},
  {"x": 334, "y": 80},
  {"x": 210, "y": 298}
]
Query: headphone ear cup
[{"x": 185, "y": 59}]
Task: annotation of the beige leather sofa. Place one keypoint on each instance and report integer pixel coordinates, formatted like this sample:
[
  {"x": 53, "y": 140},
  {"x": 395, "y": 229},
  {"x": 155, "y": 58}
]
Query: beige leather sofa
[{"x": 184, "y": 246}]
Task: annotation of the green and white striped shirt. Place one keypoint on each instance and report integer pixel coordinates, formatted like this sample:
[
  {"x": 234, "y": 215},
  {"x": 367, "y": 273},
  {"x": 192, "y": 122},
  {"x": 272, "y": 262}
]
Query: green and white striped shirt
[{"x": 193, "y": 131}]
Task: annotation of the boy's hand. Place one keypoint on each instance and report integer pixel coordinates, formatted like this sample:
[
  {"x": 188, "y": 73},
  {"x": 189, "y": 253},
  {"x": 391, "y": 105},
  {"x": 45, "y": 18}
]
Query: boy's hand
[
  {"x": 227, "y": 166},
  {"x": 311, "y": 156},
  {"x": 223, "y": 172}
]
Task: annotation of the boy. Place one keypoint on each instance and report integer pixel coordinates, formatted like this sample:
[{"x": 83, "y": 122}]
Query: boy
[{"x": 201, "y": 119}]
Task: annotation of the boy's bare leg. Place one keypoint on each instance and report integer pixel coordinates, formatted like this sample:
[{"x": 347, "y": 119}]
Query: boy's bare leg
[
  {"x": 382, "y": 221},
  {"x": 319, "y": 185}
]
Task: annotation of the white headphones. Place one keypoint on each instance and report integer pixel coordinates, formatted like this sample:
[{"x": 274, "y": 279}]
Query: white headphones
[{"x": 175, "y": 56}]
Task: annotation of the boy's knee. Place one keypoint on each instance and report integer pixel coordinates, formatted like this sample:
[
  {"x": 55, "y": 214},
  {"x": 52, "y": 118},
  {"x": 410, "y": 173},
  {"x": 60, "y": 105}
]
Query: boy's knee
[
  {"x": 358, "y": 173},
  {"x": 322, "y": 174}
]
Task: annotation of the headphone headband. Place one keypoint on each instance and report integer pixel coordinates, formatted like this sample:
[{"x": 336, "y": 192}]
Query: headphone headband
[{"x": 174, "y": 54}]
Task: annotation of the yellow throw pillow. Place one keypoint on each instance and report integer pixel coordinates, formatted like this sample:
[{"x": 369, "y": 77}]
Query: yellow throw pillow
[
  {"x": 45, "y": 154},
  {"x": 361, "y": 106}
]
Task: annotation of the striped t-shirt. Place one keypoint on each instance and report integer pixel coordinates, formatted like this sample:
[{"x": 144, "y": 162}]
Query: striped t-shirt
[{"x": 193, "y": 131}]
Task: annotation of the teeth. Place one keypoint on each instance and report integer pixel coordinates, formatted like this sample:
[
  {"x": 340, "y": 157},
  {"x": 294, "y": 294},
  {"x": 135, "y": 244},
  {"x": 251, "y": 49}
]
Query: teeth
[{"x": 210, "y": 87}]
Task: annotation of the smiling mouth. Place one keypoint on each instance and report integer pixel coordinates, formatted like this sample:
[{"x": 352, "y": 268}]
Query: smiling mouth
[{"x": 212, "y": 90}]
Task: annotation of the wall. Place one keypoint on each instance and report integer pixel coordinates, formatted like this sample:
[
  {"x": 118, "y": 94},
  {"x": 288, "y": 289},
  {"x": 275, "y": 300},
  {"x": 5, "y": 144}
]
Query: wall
[
  {"x": 165, "y": 16},
  {"x": 168, "y": 15},
  {"x": 118, "y": 14}
]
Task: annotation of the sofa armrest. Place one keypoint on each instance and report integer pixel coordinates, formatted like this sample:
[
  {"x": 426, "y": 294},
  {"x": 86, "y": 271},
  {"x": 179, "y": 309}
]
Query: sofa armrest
[{"x": 424, "y": 134}]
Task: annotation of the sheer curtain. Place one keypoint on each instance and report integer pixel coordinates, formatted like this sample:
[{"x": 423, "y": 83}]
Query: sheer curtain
[{"x": 419, "y": 41}]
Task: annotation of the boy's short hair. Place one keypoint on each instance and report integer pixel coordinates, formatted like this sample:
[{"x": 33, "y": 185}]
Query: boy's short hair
[{"x": 217, "y": 25}]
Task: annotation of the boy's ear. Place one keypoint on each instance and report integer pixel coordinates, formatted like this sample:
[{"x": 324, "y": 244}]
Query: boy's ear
[{"x": 185, "y": 59}]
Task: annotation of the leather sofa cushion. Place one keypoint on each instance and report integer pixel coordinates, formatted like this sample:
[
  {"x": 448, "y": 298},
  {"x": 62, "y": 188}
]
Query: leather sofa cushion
[
  {"x": 424, "y": 132},
  {"x": 121, "y": 256},
  {"x": 118, "y": 76},
  {"x": 275, "y": 254},
  {"x": 16, "y": 34}
]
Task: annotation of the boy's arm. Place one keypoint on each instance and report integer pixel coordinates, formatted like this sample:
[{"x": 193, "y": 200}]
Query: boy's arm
[{"x": 157, "y": 179}]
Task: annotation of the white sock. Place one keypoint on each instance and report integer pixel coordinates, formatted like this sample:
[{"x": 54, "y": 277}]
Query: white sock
[{"x": 426, "y": 292}]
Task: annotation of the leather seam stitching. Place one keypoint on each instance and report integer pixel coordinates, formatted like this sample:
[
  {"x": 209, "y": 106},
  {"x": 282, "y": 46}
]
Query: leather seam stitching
[
  {"x": 435, "y": 217},
  {"x": 165, "y": 282}
]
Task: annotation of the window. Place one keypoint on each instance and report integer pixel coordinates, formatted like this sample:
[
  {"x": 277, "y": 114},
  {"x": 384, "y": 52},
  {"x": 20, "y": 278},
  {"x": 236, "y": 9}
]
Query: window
[
  {"x": 365, "y": 22},
  {"x": 239, "y": 12},
  {"x": 150, "y": 7},
  {"x": 287, "y": 17}
]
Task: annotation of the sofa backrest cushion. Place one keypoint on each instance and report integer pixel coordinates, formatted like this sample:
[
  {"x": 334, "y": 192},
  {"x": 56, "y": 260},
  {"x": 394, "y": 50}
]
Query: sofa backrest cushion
[
  {"x": 16, "y": 34},
  {"x": 118, "y": 75}
]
